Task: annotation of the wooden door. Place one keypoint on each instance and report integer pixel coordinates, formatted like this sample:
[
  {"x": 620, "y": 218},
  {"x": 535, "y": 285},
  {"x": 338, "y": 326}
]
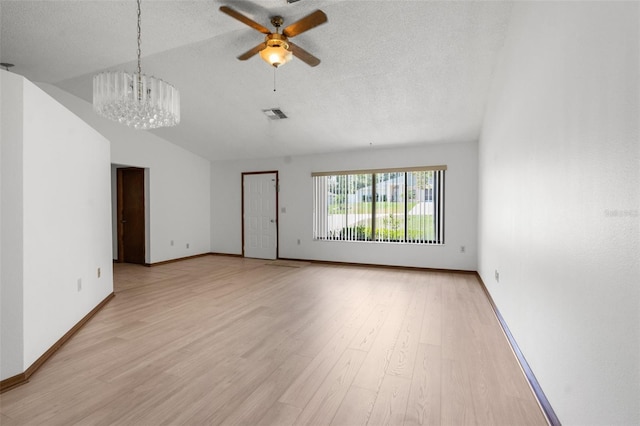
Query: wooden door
[
  {"x": 259, "y": 218},
  {"x": 131, "y": 217}
]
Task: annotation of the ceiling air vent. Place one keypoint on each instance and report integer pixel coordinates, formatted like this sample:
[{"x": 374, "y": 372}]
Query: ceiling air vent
[{"x": 274, "y": 114}]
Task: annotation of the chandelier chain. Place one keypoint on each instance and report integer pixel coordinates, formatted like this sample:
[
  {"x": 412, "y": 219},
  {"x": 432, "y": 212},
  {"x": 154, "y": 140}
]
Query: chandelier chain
[{"x": 139, "y": 41}]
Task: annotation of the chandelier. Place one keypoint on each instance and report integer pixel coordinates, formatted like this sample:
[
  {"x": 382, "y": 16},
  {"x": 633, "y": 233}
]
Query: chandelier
[{"x": 137, "y": 100}]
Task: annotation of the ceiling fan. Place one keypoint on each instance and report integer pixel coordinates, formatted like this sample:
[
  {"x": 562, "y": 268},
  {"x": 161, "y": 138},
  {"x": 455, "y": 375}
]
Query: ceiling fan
[{"x": 276, "y": 49}]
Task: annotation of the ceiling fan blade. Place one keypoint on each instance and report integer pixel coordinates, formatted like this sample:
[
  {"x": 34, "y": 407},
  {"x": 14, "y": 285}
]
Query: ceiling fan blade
[
  {"x": 310, "y": 21},
  {"x": 303, "y": 55},
  {"x": 240, "y": 17},
  {"x": 249, "y": 53}
]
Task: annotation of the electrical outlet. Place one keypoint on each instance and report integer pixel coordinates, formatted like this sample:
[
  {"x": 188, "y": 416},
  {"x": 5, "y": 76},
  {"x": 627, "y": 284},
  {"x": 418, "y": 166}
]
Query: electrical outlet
[
  {"x": 462, "y": 249},
  {"x": 98, "y": 272},
  {"x": 497, "y": 275},
  {"x": 298, "y": 241},
  {"x": 79, "y": 284},
  {"x": 187, "y": 245},
  {"x": 171, "y": 242}
]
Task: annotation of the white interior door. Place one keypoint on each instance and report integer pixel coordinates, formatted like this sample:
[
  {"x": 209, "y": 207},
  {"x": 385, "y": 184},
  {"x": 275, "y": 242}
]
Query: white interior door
[{"x": 260, "y": 221}]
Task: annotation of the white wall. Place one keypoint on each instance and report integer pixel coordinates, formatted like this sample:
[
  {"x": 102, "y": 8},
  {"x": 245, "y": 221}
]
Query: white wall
[
  {"x": 559, "y": 202},
  {"x": 178, "y": 183},
  {"x": 11, "y": 300},
  {"x": 295, "y": 198},
  {"x": 65, "y": 227}
]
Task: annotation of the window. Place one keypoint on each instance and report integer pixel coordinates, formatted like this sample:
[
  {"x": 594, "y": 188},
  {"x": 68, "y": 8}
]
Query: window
[{"x": 388, "y": 205}]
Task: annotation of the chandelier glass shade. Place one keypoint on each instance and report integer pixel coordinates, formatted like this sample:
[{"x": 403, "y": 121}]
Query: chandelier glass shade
[{"x": 136, "y": 100}]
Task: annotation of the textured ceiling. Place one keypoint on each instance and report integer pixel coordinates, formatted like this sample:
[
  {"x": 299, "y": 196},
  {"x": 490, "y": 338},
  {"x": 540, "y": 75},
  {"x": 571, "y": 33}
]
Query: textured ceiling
[{"x": 392, "y": 72}]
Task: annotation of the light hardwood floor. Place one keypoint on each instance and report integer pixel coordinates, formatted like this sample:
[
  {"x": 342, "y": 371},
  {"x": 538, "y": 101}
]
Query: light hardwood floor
[{"x": 223, "y": 340}]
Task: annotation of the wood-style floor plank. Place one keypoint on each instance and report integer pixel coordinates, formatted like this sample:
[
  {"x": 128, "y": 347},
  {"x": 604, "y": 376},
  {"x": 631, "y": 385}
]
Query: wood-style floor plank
[
  {"x": 402, "y": 360},
  {"x": 255, "y": 407},
  {"x": 356, "y": 407},
  {"x": 432, "y": 322},
  {"x": 280, "y": 414},
  {"x": 391, "y": 403},
  {"x": 327, "y": 399},
  {"x": 233, "y": 341},
  {"x": 375, "y": 365},
  {"x": 305, "y": 386},
  {"x": 423, "y": 407}
]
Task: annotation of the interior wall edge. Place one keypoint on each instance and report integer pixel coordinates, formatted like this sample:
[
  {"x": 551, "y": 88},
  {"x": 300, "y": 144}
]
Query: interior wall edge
[
  {"x": 544, "y": 403},
  {"x": 23, "y": 378}
]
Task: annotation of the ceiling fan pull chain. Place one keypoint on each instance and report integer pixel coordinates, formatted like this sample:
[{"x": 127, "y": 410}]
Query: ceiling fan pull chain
[{"x": 274, "y": 78}]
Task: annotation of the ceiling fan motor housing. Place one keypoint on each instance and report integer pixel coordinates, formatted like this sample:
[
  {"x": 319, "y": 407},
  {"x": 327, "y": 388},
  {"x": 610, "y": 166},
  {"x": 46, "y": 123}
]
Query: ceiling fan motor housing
[
  {"x": 276, "y": 39},
  {"x": 277, "y": 21}
]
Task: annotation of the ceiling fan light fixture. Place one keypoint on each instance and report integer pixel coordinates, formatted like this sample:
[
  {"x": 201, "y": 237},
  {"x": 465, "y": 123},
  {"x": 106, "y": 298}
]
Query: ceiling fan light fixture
[{"x": 277, "y": 52}]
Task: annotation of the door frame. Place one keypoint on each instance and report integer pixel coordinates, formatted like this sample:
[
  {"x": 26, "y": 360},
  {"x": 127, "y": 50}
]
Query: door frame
[
  {"x": 120, "y": 211},
  {"x": 277, "y": 208}
]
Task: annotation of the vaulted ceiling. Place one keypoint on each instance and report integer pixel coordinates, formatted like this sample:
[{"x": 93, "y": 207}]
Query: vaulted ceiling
[{"x": 392, "y": 72}]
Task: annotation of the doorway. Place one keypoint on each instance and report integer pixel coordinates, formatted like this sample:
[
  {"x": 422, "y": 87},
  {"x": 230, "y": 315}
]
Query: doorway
[
  {"x": 131, "y": 215},
  {"x": 260, "y": 215}
]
